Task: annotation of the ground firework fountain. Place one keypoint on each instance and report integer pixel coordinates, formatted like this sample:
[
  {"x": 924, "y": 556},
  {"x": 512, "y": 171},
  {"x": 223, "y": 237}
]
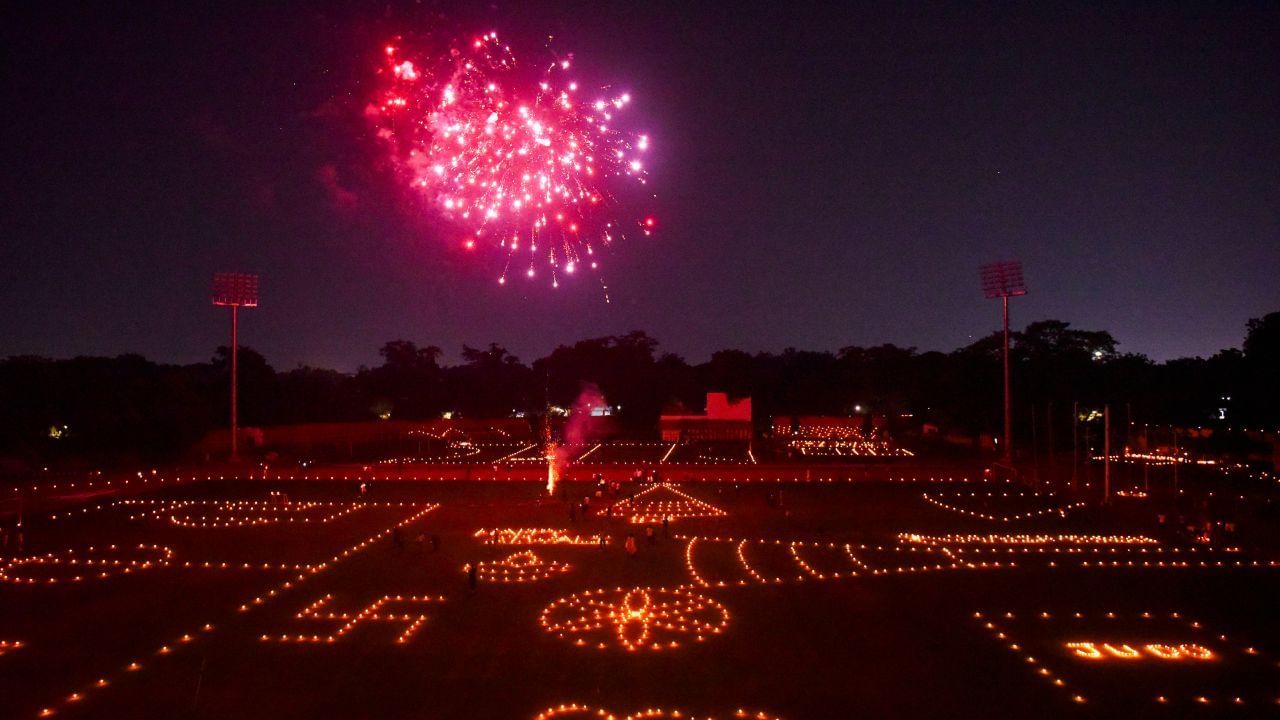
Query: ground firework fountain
[
  {"x": 553, "y": 468},
  {"x": 551, "y": 451}
]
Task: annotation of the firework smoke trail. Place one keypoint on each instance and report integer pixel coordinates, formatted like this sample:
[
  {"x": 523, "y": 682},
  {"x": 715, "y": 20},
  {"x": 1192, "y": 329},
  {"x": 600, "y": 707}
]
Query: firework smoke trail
[{"x": 524, "y": 167}]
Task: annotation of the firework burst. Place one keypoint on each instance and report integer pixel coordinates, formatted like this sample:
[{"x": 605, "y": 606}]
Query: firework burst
[{"x": 527, "y": 164}]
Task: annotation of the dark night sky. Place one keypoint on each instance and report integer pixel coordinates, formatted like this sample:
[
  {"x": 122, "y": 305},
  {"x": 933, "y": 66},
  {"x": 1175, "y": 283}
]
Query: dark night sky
[{"x": 824, "y": 176}]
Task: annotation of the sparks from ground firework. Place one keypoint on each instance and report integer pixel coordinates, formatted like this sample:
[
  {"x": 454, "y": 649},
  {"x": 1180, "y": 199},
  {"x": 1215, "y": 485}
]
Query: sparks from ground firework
[{"x": 526, "y": 168}]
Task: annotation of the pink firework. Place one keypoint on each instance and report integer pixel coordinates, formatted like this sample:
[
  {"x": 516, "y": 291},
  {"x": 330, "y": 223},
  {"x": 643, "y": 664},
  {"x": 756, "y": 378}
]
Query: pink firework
[{"x": 526, "y": 167}]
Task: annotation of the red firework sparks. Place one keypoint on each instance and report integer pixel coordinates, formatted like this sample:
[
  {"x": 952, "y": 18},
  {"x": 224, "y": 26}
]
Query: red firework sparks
[{"x": 524, "y": 167}]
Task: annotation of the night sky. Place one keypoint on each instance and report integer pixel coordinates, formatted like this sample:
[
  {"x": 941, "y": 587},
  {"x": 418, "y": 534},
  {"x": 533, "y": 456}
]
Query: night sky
[{"x": 825, "y": 175}]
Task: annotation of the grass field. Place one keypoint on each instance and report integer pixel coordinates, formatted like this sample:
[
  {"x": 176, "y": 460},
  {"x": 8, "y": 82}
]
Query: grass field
[{"x": 843, "y": 600}]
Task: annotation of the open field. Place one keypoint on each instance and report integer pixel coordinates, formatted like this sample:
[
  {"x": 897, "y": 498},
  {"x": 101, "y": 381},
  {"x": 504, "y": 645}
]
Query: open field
[{"x": 908, "y": 598}]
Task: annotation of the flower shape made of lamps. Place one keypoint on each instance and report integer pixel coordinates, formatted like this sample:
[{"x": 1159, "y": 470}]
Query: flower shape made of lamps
[{"x": 635, "y": 619}]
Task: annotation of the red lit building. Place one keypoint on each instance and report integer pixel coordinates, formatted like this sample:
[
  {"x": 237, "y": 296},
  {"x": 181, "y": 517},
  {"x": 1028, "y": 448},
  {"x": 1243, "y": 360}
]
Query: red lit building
[{"x": 724, "y": 419}]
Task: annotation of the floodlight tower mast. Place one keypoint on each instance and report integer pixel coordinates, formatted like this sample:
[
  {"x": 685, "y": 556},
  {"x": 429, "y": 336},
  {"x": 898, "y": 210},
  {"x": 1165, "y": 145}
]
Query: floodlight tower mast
[
  {"x": 1004, "y": 280},
  {"x": 235, "y": 290}
]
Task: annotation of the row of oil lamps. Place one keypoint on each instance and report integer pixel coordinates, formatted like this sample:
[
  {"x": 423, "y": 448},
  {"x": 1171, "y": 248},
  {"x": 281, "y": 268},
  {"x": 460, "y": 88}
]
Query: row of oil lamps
[
  {"x": 1027, "y": 539},
  {"x": 1060, "y": 510},
  {"x": 98, "y": 563},
  {"x": 575, "y": 710}
]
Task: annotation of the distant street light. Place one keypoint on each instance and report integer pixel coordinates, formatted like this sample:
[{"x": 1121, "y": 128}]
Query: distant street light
[
  {"x": 235, "y": 290},
  {"x": 1004, "y": 280}
]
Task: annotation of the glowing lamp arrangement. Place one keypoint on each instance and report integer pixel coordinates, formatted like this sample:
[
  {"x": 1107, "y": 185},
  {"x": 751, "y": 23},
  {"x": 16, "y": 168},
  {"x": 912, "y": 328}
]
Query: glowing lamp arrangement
[
  {"x": 519, "y": 568},
  {"x": 814, "y": 561},
  {"x": 244, "y": 513},
  {"x": 841, "y": 441},
  {"x": 949, "y": 503},
  {"x": 665, "y": 501},
  {"x": 570, "y": 711},
  {"x": 293, "y": 582},
  {"x": 634, "y": 619},
  {"x": 948, "y": 480},
  {"x": 92, "y": 563},
  {"x": 374, "y": 612},
  {"x": 1155, "y": 640},
  {"x": 100, "y": 483},
  {"x": 533, "y": 536},
  {"x": 1026, "y": 539},
  {"x": 1131, "y": 494},
  {"x": 1124, "y": 651}
]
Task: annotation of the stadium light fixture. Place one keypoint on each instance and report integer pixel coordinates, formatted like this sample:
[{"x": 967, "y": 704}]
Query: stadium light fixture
[
  {"x": 1004, "y": 280},
  {"x": 235, "y": 290}
]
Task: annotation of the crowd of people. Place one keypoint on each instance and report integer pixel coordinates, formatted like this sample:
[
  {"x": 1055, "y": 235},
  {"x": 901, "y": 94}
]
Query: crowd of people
[{"x": 603, "y": 502}]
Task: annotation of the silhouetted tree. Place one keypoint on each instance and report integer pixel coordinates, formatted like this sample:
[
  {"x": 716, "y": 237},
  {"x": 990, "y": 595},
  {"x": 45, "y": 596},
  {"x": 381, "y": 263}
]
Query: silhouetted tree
[
  {"x": 127, "y": 409},
  {"x": 407, "y": 384}
]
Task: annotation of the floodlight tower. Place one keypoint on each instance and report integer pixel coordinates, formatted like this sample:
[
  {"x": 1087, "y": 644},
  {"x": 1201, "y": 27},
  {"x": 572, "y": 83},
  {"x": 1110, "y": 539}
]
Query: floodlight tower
[
  {"x": 1004, "y": 280},
  {"x": 235, "y": 290}
]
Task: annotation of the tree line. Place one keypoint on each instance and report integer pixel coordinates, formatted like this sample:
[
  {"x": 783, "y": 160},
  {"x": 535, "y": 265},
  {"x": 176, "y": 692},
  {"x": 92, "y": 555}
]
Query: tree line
[{"x": 127, "y": 409}]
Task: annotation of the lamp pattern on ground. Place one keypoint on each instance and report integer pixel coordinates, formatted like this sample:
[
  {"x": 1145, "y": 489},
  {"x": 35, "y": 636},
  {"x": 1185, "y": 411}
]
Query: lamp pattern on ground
[
  {"x": 457, "y": 451},
  {"x": 241, "y": 513},
  {"x": 223, "y": 565},
  {"x": 839, "y": 440},
  {"x": 100, "y": 482},
  {"x": 572, "y": 711},
  {"x": 1027, "y": 539},
  {"x": 956, "y": 502},
  {"x": 706, "y": 456},
  {"x": 92, "y": 563},
  {"x": 1183, "y": 642},
  {"x": 809, "y": 447},
  {"x": 635, "y": 619},
  {"x": 973, "y": 544},
  {"x": 1094, "y": 650},
  {"x": 293, "y": 582},
  {"x": 533, "y": 536},
  {"x": 802, "y": 559},
  {"x": 374, "y": 612},
  {"x": 762, "y": 561},
  {"x": 145, "y": 482},
  {"x": 460, "y": 452},
  {"x": 476, "y": 471},
  {"x": 1131, "y": 494},
  {"x": 1122, "y": 557},
  {"x": 7, "y": 645},
  {"x": 644, "y": 507},
  {"x": 519, "y": 567}
]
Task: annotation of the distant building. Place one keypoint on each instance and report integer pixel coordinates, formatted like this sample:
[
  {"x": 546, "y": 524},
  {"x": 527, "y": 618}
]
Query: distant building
[{"x": 724, "y": 419}]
